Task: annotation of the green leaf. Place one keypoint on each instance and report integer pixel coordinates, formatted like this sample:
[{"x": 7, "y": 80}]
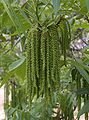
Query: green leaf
[
  {"x": 87, "y": 4},
  {"x": 2, "y": 38},
  {"x": 24, "y": 15},
  {"x": 16, "y": 64},
  {"x": 84, "y": 109},
  {"x": 83, "y": 6},
  {"x": 83, "y": 91},
  {"x": 8, "y": 11},
  {"x": 20, "y": 72},
  {"x": 6, "y": 21},
  {"x": 56, "y": 4},
  {"x": 11, "y": 111},
  {"x": 16, "y": 16},
  {"x": 19, "y": 68},
  {"x": 6, "y": 78},
  {"x": 82, "y": 69}
]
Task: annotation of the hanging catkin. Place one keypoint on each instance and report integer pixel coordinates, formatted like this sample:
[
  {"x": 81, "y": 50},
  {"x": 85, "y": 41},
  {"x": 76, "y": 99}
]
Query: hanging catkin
[
  {"x": 66, "y": 37},
  {"x": 43, "y": 62},
  {"x": 49, "y": 66},
  {"x": 44, "y": 65},
  {"x": 29, "y": 67},
  {"x": 35, "y": 63},
  {"x": 39, "y": 62},
  {"x": 56, "y": 53},
  {"x": 48, "y": 60},
  {"x": 43, "y": 50}
]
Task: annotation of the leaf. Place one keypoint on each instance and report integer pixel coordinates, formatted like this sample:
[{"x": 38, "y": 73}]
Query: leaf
[
  {"x": 83, "y": 73},
  {"x": 87, "y": 4},
  {"x": 19, "y": 68},
  {"x": 6, "y": 60},
  {"x": 83, "y": 6},
  {"x": 6, "y": 21},
  {"x": 24, "y": 15},
  {"x": 2, "y": 38},
  {"x": 20, "y": 72},
  {"x": 84, "y": 109},
  {"x": 56, "y": 4},
  {"x": 38, "y": 108},
  {"x": 81, "y": 68},
  {"x": 11, "y": 111},
  {"x": 16, "y": 64},
  {"x": 8, "y": 11},
  {"x": 83, "y": 91},
  {"x": 66, "y": 37},
  {"x": 6, "y": 78},
  {"x": 17, "y": 17}
]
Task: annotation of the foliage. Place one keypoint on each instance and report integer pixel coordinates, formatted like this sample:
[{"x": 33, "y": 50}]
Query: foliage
[{"x": 35, "y": 59}]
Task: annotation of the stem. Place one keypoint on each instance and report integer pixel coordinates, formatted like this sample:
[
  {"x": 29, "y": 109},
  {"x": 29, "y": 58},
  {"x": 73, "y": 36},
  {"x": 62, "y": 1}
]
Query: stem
[
  {"x": 85, "y": 99},
  {"x": 78, "y": 87},
  {"x": 6, "y": 99}
]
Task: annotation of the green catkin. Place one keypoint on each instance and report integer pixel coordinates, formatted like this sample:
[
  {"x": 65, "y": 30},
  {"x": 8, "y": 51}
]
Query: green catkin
[
  {"x": 49, "y": 64},
  {"x": 48, "y": 60},
  {"x": 43, "y": 60},
  {"x": 45, "y": 51},
  {"x": 33, "y": 63},
  {"x": 66, "y": 38},
  {"x": 68, "y": 32},
  {"x": 33, "y": 56},
  {"x": 58, "y": 58},
  {"x": 51, "y": 88},
  {"x": 54, "y": 60},
  {"x": 39, "y": 62},
  {"x": 29, "y": 68},
  {"x": 35, "y": 60},
  {"x": 56, "y": 53},
  {"x": 37, "y": 66}
]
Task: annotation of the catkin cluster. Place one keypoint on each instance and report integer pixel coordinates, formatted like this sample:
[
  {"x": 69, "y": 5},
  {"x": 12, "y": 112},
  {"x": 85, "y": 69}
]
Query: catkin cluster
[{"x": 43, "y": 60}]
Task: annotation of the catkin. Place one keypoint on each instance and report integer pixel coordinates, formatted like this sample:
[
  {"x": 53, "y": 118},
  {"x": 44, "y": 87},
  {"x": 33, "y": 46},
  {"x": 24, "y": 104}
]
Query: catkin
[
  {"x": 44, "y": 66},
  {"x": 39, "y": 62},
  {"x": 43, "y": 48},
  {"x": 66, "y": 37},
  {"x": 43, "y": 62},
  {"x": 29, "y": 67},
  {"x": 35, "y": 61},
  {"x": 45, "y": 51},
  {"x": 48, "y": 60},
  {"x": 56, "y": 52}
]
